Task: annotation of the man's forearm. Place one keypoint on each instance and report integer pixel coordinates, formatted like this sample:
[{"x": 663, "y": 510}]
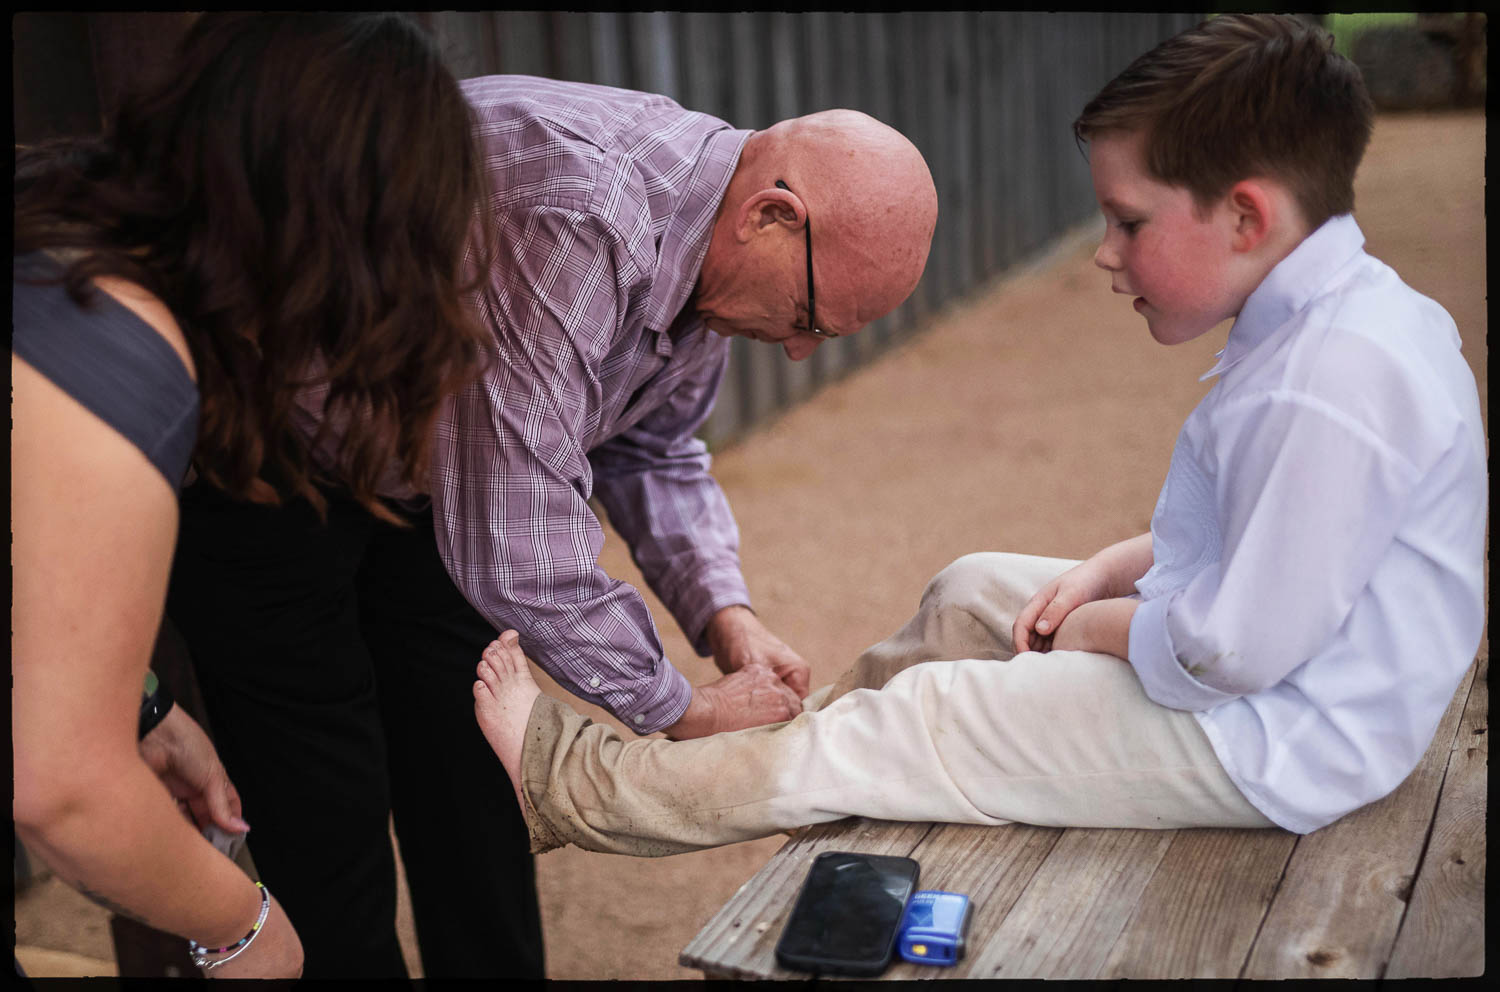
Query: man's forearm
[{"x": 724, "y": 628}]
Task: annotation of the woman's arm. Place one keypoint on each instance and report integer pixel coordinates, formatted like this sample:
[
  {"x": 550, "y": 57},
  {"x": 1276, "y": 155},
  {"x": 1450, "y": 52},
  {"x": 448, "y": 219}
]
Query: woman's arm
[{"x": 94, "y": 525}]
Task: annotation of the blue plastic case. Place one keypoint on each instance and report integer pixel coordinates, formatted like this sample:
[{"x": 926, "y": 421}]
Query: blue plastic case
[{"x": 934, "y": 928}]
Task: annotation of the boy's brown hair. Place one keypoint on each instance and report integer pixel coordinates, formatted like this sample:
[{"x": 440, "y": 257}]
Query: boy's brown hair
[{"x": 1244, "y": 95}]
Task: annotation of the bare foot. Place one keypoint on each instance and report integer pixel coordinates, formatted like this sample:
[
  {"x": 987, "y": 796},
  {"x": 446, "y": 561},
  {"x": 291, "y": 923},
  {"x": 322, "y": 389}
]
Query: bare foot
[{"x": 502, "y": 702}]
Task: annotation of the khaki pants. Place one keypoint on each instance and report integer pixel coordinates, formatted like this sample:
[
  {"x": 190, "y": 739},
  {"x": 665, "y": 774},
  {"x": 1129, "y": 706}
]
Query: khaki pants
[{"x": 939, "y": 722}]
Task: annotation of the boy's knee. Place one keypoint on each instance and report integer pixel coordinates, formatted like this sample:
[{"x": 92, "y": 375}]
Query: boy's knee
[
  {"x": 973, "y": 580},
  {"x": 970, "y": 571}
]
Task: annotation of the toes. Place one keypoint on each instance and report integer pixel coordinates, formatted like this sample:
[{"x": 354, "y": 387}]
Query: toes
[{"x": 482, "y": 690}]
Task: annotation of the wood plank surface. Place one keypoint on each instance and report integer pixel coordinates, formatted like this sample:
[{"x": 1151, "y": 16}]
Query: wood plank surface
[
  {"x": 740, "y": 941},
  {"x": 1075, "y": 906},
  {"x": 1337, "y": 912},
  {"x": 1202, "y": 908},
  {"x": 990, "y": 865},
  {"x": 1443, "y": 933},
  {"x": 1136, "y": 904}
]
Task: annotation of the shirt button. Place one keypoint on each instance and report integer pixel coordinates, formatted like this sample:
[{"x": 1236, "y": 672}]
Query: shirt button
[
  {"x": 639, "y": 718},
  {"x": 594, "y": 682}
]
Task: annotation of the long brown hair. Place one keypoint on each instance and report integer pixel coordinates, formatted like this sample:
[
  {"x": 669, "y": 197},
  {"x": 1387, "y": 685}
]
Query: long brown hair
[{"x": 304, "y": 192}]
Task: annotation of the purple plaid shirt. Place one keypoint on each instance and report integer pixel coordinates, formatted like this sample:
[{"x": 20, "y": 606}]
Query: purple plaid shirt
[{"x": 606, "y": 200}]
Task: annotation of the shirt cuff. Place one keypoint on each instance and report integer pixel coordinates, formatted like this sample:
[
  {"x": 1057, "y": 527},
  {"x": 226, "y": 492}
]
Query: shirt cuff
[
  {"x": 664, "y": 708},
  {"x": 695, "y": 603},
  {"x": 1164, "y": 678}
]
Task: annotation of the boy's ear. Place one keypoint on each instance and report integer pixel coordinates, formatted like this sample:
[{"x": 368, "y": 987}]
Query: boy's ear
[{"x": 1254, "y": 211}]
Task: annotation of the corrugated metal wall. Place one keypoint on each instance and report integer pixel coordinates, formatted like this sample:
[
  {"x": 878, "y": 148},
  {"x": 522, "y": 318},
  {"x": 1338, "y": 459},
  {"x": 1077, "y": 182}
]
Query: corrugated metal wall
[{"x": 987, "y": 96}]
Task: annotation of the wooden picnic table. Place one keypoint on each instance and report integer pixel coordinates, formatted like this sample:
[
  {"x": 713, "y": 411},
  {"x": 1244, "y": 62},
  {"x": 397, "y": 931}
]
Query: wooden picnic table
[{"x": 1393, "y": 890}]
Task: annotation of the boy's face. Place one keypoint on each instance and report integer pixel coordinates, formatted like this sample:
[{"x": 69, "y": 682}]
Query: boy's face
[{"x": 1157, "y": 248}]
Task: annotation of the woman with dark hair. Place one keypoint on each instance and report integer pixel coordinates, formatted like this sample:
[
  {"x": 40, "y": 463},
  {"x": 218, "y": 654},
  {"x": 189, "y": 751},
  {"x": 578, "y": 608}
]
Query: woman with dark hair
[{"x": 284, "y": 213}]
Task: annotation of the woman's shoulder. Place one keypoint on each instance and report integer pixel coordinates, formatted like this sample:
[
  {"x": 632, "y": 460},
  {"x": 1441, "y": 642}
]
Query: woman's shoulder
[
  {"x": 41, "y": 273},
  {"x": 118, "y": 353},
  {"x": 152, "y": 312}
]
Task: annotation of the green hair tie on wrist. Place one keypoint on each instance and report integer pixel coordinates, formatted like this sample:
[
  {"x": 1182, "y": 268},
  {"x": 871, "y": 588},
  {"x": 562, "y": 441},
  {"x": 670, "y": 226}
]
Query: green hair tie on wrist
[{"x": 156, "y": 702}]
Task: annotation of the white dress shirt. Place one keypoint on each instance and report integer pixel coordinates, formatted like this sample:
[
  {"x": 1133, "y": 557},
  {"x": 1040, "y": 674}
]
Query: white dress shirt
[{"x": 1317, "y": 591}]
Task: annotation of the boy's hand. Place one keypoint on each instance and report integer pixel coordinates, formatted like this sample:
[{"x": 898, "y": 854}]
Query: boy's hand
[
  {"x": 1102, "y": 626},
  {"x": 1043, "y": 614}
]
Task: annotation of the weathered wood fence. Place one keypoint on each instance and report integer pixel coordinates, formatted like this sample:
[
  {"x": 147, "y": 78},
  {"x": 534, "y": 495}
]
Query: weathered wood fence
[{"x": 987, "y": 96}]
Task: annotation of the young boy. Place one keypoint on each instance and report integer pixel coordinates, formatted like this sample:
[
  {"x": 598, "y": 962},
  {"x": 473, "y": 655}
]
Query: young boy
[{"x": 1278, "y": 650}]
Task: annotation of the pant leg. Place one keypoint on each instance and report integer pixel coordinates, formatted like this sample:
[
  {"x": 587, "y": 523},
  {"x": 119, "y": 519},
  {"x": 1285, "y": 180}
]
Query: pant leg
[
  {"x": 1062, "y": 739},
  {"x": 265, "y": 600},
  {"x": 966, "y": 611},
  {"x": 463, "y": 840}
]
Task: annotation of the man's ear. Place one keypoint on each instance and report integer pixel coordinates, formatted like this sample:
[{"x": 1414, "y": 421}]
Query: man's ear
[
  {"x": 1254, "y": 211},
  {"x": 768, "y": 207}
]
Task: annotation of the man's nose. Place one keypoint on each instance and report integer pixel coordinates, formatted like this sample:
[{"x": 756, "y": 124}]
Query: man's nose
[{"x": 1106, "y": 257}]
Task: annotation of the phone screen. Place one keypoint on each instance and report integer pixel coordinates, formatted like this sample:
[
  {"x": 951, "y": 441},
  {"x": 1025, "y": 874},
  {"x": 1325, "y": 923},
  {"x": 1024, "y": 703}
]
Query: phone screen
[{"x": 847, "y": 913}]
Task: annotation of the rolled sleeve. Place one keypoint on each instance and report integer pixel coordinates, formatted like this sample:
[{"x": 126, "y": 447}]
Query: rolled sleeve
[
  {"x": 1294, "y": 559},
  {"x": 1151, "y": 654}
]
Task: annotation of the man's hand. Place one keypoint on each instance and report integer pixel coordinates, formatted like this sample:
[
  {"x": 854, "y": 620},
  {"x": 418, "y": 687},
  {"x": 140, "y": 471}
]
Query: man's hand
[
  {"x": 183, "y": 757},
  {"x": 739, "y": 639},
  {"x": 750, "y": 697},
  {"x": 1102, "y": 626}
]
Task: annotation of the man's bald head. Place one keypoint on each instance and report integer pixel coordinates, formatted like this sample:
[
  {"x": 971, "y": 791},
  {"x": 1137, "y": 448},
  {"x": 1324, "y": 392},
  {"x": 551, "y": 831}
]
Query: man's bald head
[
  {"x": 870, "y": 200},
  {"x": 869, "y": 191}
]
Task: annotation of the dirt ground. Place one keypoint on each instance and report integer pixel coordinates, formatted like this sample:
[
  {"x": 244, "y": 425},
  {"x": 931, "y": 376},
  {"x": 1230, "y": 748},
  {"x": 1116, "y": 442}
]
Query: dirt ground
[{"x": 1036, "y": 416}]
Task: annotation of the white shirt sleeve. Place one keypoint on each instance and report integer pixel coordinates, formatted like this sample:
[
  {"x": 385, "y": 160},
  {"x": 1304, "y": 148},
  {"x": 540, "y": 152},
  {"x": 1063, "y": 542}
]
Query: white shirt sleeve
[{"x": 1308, "y": 499}]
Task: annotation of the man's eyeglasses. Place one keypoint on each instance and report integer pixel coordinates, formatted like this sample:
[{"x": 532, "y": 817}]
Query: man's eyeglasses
[{"x": 812, "y": 313}]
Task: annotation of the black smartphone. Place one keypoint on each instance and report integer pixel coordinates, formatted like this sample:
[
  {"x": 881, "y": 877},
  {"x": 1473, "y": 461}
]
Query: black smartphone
[{"x": 848, "y": 914}]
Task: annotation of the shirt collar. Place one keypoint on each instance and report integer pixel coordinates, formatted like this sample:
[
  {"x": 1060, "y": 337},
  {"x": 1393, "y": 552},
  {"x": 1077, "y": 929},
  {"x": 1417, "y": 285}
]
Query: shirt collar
[
  {"x": 684, "y": 243},
  {"x": 1289, "y": 287}
]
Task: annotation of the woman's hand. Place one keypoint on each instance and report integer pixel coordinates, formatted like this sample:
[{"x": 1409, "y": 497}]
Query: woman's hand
[{"x": 183, "y": 757}]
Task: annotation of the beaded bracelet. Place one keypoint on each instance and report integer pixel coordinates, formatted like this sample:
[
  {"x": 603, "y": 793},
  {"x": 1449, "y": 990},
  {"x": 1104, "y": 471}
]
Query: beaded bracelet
[{"x": 200, "y": 953}]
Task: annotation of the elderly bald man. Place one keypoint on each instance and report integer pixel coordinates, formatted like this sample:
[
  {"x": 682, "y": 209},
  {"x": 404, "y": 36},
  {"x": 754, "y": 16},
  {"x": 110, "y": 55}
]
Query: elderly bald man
[
  {"x": 337, "y": 657},
  {"x": 636, "y": 236}
]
